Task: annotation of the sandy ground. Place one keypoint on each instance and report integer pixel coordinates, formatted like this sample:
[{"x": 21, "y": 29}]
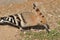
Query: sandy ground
[{"x": 50, "y": 8}]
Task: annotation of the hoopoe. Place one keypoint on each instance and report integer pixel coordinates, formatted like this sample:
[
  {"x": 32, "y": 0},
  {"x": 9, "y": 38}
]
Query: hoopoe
[{"x": 26, "y": 19}]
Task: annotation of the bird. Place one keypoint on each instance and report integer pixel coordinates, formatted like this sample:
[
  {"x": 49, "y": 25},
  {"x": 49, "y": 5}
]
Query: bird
[{"x": 26, "y": 19}]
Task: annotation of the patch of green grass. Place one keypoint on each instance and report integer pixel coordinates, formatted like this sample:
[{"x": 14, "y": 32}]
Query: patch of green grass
[
  {"x": 43, "y": 35},
  {"x": 53, "y": 35}
]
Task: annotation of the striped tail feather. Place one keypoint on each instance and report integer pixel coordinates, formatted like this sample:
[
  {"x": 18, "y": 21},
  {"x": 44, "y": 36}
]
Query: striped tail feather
[
  {"x": 12, "y": 20},
  {"x": 3, "y": 20}
]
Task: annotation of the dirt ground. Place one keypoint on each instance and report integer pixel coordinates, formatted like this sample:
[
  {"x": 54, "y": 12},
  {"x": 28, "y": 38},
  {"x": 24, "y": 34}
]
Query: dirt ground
[{"x": 49, "y": 8}]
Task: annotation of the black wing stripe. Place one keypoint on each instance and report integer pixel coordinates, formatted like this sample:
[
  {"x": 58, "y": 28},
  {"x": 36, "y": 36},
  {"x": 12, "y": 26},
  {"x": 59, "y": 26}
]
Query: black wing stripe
[
  {"x": 17, "y": 17},
  {"x": 23, "y": 18},
  {"x": 12, "y": 19}
]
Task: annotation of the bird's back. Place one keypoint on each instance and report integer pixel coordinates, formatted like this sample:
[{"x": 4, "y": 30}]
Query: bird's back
[{"x": 30, "y": 18}]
